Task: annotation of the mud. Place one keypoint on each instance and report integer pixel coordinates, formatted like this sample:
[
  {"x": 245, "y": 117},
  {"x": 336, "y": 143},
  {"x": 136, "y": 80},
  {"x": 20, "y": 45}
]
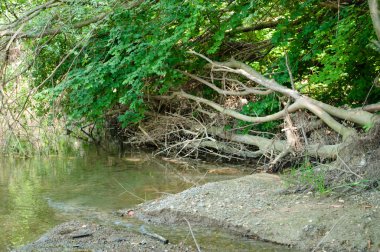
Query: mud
[{"x": 257, "y": 207}]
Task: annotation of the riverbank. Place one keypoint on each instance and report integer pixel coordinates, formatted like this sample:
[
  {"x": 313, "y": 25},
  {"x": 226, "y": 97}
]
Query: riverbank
[
  {"x": 257, "y": 207},
  {"x": 88, "y": 236}
]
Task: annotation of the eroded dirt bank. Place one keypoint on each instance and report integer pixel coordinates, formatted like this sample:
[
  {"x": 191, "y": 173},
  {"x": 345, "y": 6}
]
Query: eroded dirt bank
[{"x": 257, "y": 207}]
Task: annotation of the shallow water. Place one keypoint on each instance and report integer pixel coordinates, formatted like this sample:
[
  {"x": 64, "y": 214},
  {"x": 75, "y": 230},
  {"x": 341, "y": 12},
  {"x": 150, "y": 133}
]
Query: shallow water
[{"x": 37, "y": 194}]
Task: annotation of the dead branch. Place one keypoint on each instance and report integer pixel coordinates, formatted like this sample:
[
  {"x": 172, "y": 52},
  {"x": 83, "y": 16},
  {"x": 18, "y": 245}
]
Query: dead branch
[
  {"x": 372, "y": 107},
  {"x": 275, "y": 148},
  {"x": 192, "y": 234},
  {"x": 292, "y": 137},
  {"x": 256, "y": 27},
  {"x": 264, "y": 144},
  {"x": 54, "y": 31},
  {"x": 289, "y": 71},
  {"x": 322, "y": 110},
  {"x": 228, "y": 149},
  {"x": 292, "y": 108},
  {"x": 260, "y": 26},
  {"x": 244, "y": 92},
  {"x": 360, "y": 117},
  {"x": 28, "y": 16},
  {"x": 375, "y": 15}
]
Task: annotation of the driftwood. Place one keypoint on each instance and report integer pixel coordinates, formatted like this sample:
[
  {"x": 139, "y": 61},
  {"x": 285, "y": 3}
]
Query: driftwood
[{"x": 153, "y": 235}]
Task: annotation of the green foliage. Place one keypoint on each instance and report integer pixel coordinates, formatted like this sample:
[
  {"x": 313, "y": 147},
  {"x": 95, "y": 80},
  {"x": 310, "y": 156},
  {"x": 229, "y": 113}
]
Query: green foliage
[
  {"x": 362, "y": 184},
  {"x": 135, "y": 52},
  {"x": 368, "y": 126},
  {"x": 53, "y": 50},
  {"x": 306, "y": 175},
  {"x": 329, "y": 54},
  {"x": 267, "y": 105}
]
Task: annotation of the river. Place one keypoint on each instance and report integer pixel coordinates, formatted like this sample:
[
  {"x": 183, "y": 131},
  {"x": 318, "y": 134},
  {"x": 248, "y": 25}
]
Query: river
[{"x": 36, "y": 194}]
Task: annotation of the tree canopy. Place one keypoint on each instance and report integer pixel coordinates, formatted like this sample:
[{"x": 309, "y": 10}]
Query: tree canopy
[{"x": 94, "y": 55}]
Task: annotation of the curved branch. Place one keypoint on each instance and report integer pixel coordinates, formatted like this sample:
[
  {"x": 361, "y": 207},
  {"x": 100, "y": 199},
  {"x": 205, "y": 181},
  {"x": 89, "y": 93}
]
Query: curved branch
[
  {"x": 56, "y": 31},
  {"x": 317, "y": 108},
  {"x": 292, "y": 108},
  {"x": 361, "y": 117},
  {"x": 248, "y": 72},
  {"x": 269, "y": 145},
  {"x": 327, "y": 118},
  {"x": 259, "y": 26},
  {"x": 372, "y": 107},
  {"x": 246, "y": 91},
  {"x": 29, "y": 15},
  {"x": 264, "y": 144},
  {"x": 375, "y": 15}
]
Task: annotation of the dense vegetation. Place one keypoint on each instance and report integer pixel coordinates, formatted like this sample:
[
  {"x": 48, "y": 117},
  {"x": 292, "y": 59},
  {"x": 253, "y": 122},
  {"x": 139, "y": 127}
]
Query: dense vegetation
[
  {"x": 89, "y": 62},
  {"x": 137, "y": 50}
]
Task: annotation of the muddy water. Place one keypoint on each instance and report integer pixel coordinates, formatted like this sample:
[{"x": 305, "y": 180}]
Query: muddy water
[{"x": 37, "y": 194}]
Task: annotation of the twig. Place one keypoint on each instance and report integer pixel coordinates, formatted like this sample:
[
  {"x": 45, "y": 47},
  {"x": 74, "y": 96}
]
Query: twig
[
  {"x": 147, "y": 135},
  {"x": 4, "y": 67},
  {"x": 224, "y": 91},
  {"x": 131, "y": 193},
  {"x": 375, "y": 81},
  {"x": 327, "y": 233},
  {"x": 289, "y": 71},
  {"x": 192, "y": 234},
  {"x": 304, "y": 136},
  {"x": 153, "y": 235},
  {"x": 357, "y": 175},
  {"x": 279, "y": 157},
  {"x": 202, "y": 56}
]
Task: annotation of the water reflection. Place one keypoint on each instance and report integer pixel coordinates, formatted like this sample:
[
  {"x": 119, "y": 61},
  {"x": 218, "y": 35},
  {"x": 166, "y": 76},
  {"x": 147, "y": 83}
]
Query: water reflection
[
  {"x": 30, "y": 189},
  {"x": 37, "y": 194},
  {"x": 23, "y": 211}
]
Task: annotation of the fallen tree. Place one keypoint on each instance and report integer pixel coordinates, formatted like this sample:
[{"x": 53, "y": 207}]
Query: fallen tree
[
  {"x": 354, "y": 153},
  {"x": 298, "y": 101}
]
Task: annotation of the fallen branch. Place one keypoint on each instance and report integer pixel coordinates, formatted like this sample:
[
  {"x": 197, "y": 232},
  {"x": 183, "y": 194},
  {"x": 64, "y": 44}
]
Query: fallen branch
[
  {"x": 372, "y": 107},
  {"x": 244, "y": 92},
  {"x": 192, "y": 234},
  {"x": 29, "y": 15},
  {"x": 327, "y": 234},
  {"x": 292, "y": 108},
  {"x": 78, "y": 25},
  {"x": 153, "y": 235},
  {"x": 375, "y": 15},
  {"x": 322, "y": 110}
]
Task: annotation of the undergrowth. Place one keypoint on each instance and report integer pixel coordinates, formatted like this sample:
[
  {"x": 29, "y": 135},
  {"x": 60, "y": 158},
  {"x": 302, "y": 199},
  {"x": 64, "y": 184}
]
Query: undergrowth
[{"x": 305, "y": 177}]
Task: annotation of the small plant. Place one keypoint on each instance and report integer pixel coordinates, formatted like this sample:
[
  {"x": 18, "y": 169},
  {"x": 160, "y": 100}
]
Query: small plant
[
  {"x": 308, "y": 176},
  {"x": 368, "y": 126}
]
